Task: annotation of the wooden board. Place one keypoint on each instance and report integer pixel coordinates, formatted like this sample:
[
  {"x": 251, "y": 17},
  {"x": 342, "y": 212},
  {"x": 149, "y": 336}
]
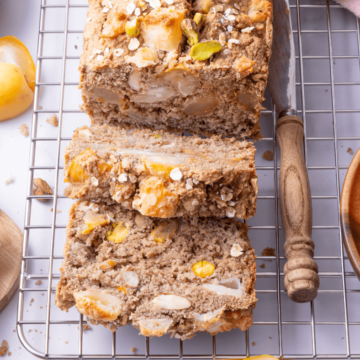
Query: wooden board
[{"x": 11, "y": 239}]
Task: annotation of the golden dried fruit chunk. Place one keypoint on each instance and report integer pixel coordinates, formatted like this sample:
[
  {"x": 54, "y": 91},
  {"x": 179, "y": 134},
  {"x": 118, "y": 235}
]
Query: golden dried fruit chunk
[
  {"x": 93, "y": 220},
  {"x": 13, "y": 51},
  {"x": 261, "y": 357},
  {"x": 154, "y": 199},
  {"x": 104, "y": 167},
  {"x": 98, "y": 305},
  {"x": 115, "y": 25},
  {"x": 143, "y": 57},
  {"x": 190, "y": 30},
  {"x": 161, "y": 165},
  {"x": 15, "y": 94},
  {"x": 76, "y": 173},
  {"x": 132, "y": 27},
  {"x": 166, "y": 230},
  {"x": 122, "y": 288},
  {"x": 118, "y": 234},
  {"x": 203, "y": 5},
  {"x": 244, "y": 65},
  {"x": 204, "y": 50},
  {"x": 157, "y": 136},
  {"x": 260, "y": 10},
  {"x": 203, "y": 268},
  {"x": 161, "y": 29},
  {"x": 108, "y": 264}
]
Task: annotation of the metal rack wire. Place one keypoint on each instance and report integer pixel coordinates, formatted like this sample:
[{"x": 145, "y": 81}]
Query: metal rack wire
[{"x": 338, "y": 277}]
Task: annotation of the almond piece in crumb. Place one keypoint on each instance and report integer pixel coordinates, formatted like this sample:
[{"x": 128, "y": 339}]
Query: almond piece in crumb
[
  {"x": 53, "y": 120},
  {"x": 38, "y": 282},
  {"x": 9, "y": 180},
  {"x": 41, "y": 187},
  {"x": 24, "y": 130},
  {"x": 4, "y": 347}
]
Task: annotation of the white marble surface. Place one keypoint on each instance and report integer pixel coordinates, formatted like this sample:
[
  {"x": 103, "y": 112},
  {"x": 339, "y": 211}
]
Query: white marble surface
[{"x": 20, "y": 18}]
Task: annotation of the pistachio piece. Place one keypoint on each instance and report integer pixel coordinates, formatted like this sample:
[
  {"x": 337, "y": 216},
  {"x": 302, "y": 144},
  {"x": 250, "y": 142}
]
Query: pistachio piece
[
  {"x": 200, "y": 20},
  {"x": 190, "y": 29},
  {"x": 204, "y": 50},
  {"x": 132, "y": 27}
]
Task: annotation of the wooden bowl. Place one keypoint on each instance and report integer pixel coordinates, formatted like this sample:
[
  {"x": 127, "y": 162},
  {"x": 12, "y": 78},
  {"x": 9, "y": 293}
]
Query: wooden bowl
[{"x": 350, "y": 212}]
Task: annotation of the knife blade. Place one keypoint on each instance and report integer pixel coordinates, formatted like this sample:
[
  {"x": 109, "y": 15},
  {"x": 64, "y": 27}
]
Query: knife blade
[
  {"x": 282, "y": 84},
  {"x": 300, "y": 271}
]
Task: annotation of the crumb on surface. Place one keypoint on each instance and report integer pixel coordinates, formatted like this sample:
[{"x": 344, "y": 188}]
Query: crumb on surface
[
  {"x": 53, "y": 120},
  {"x": 41, "y": 307},
  {"x": 268, "y": 155},
  {"x": 86, "y": 327},
  {"x": 40, "y": 107},
  {"x": 268, "y": 252},
  {"x": 4, "y": 347},
  {"x": 35, "y": 330},
  {"x": 253, "y": 343},
  {"x": 133, "y": 350},
  {"x": 262, "y": 266},
  {"x": 270, "y": 337},
  {"x": 75, "y": 46},
  {"x": 24, "y": 130},
  {"x": 66, "y": 342},
  {"x": 31, "y": 301},
  {"x": 29, "y": 331},
  {"x": 58, "y": 211},
  {"x": 350, "y": 150},
  {"x": 38, "y": 282},
  {"x": 9, "y": 180},
  {"x": 9, "y": 353}
]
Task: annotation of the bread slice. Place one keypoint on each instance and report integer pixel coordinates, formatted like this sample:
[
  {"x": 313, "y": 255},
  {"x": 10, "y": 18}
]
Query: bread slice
[
  {"x": 160, "y": 174},
  {"x": 158, "y": 77},
  {"x": 176, "y": 276}
]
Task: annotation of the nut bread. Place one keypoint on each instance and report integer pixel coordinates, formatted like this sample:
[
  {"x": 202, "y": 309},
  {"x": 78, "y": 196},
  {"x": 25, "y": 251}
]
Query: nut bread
[
  {"x": 199, "y": 66},
  {"x": 160, "y": 174},
  {"x": 175, "y": 276}
]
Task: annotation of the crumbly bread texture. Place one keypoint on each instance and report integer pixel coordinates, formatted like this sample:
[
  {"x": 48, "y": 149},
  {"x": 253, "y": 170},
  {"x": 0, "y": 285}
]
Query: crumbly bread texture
[
  {"x": 176, "y": 276},
  {"x": 160, "y": 174},
  {"x": 140, "y": 69}
]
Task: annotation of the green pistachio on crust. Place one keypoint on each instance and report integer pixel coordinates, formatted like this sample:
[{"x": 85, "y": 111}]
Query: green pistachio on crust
[
  {"x": 190, "y": 29},
  {"x": 204, "y": 50},
  {"x": 132, "y": 27},
  {"x": 200, "y": 20}
]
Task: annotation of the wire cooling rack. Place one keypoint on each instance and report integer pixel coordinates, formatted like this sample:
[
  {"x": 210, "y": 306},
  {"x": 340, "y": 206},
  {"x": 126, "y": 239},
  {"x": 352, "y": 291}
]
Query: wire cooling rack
[{"x": 328, "y": 86}]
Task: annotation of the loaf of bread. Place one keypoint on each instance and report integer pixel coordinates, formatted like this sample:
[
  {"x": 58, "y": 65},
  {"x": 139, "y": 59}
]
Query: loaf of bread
[
  {"x": 173, "y": 276},
  {"x": 160, "y": 174},
  {"x": 199, "y": 66}
]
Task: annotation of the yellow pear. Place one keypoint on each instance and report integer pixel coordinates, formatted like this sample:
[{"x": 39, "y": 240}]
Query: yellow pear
[{"x": 15, "y": 94}]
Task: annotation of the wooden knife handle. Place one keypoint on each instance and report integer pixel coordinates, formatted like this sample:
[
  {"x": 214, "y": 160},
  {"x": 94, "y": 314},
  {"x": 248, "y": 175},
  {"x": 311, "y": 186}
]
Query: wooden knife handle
[{"x": 301, "y": 271}]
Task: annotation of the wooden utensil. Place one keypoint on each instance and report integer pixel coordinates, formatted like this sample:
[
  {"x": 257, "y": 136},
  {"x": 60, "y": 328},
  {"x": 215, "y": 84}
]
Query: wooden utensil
[
  {"x": 350, "y": 213},
  {"x": 11, "y": 239},
  {"x": 301, "y": 272}
]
